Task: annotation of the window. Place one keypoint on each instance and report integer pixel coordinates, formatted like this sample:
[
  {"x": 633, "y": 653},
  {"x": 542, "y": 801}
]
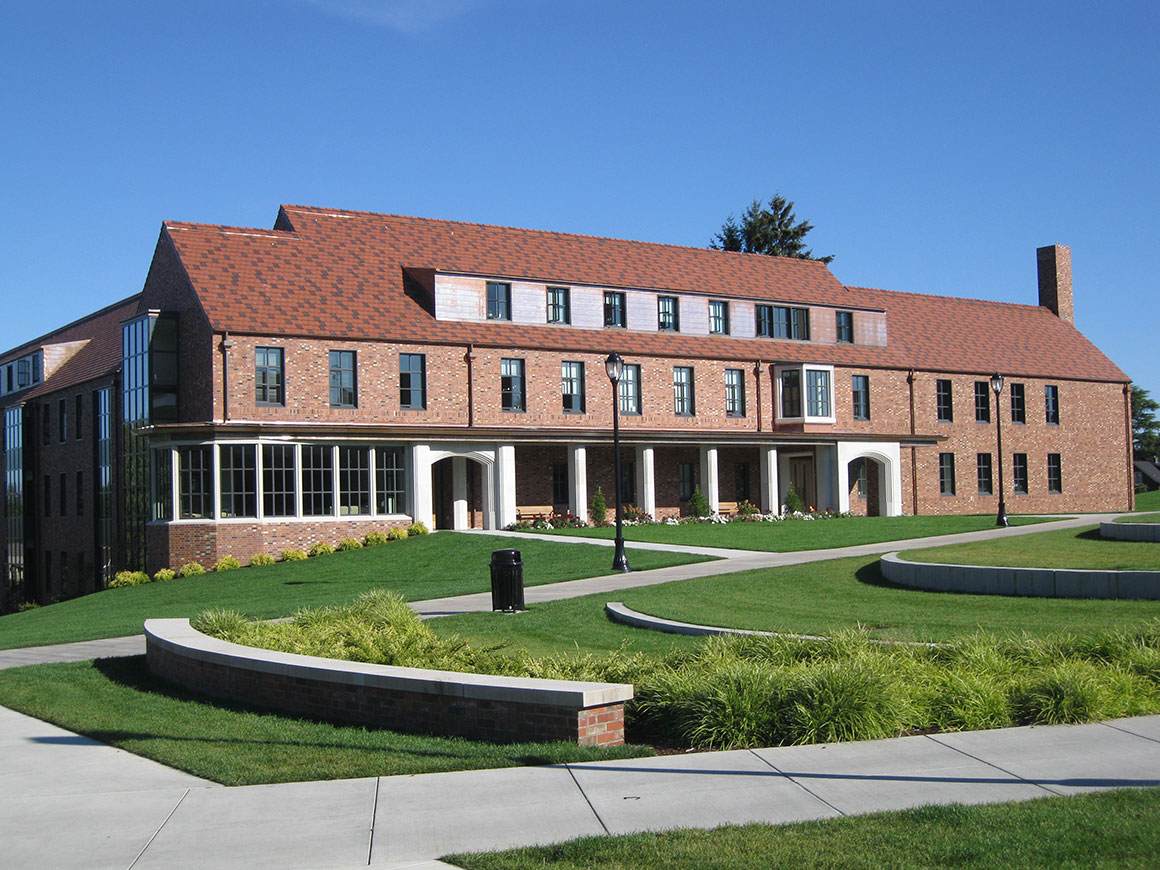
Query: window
[
  {"x": 239, "y": 480},
  {"x": 1019, "y": 472},
  {"x": 1054, "y": 473},
  {"x": 817, "y": 393},
  {"x": 62, "y": 420},
  {"x": 845, "y": 326},
  {"x": 511, "y": 379},
  {"x": 630, "y": 389},
  {"x": 47, "y": 495},
  {"x": 763, "y": 321},
  {"x": 861, "y": 397},
  {"x": 943, "y": 401},
  {"x": 354, "y": 481},
  {"x": 195, "y": 483},
  {"x": 983, "y": 472},
  {"x": 1018, "y": 404},
  {"x": 1051, "y": 404},
  {"x": 390, "y": 480},
  {"x": 791, "y": 393},
  {"x": 613, "y": 308},
  {"x": 559, "y": 305},
  {"x": 80, "y": 493},
  {"x": 861, "y": 477},
  {"x": 317, "y": 480},
  {"x": 668, "y": 314},
  {"x": 63, "y": 494},
  {"x": 734, "y": 393},
  {"x": 628, "y": 482},
  {"x": 791, "y": 322},
  {"x": 685, "y": 480},
  {"x": 982, "y": 402},
  {"x": 499, "y": 301},
  {"x": 718, "y": 317},
  {"x": 683, "y": 391},
  {"x": 279, "y": 480},
  {"x": 269, "y": 376},
  {"x": 46, "y": 424},
  {"x": 741, "y": 481},
  {"x": 413, "y": 381},
  {"x": 343, "y": 379},
  {"x": 559, "y": 483},
  {"x": 572, "y": 387},
  {"x": 946, "y": 474},
  {"x": 78, "y": 414}
]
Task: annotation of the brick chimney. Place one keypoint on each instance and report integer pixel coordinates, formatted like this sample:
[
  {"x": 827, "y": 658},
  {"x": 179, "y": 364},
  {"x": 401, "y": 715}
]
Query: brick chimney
[{"x": 1055, "y": 280}]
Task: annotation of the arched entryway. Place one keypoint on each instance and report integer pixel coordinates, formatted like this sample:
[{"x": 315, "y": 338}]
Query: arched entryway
[
  {"x": 867, "y": 487},
  {"x": 460, "y": 493}
]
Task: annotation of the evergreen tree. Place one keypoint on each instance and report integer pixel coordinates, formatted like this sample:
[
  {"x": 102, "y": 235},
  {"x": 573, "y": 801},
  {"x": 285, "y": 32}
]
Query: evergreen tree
[
  {"x": 1145, "y": 426},
  {"x": 773, "y": 230}
]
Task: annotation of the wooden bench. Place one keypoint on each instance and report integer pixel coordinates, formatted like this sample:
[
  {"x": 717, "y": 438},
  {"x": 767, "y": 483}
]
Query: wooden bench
[
  {"x": 727, "y": 508},
  {"x": 534, "y": 512}
]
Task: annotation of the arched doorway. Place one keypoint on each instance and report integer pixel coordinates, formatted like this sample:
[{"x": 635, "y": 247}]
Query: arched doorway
[
  {"x": 867, "y": 487},
  {"x": 460, "y": 493}
]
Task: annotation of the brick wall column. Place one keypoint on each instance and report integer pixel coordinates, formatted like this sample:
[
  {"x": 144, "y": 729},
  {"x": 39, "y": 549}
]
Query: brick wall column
[
  {"x": 646, "y": 481},
  {"x": 578, "y": 481},
  {"x": 710, "y": 489}
]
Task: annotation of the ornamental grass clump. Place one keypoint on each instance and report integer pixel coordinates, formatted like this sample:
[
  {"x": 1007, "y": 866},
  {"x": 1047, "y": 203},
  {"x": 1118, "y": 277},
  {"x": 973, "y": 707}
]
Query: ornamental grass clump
[
  {"x": 416, "y": 529},
  {"x": 226, "y": 563},
  {"x": 123, "y": 579},
  {"x": 164, "y": 574},
  {"x": 320, "y": 549},
  {"x": 191, "y": 569},
  {"x": 348, "y": 544},
  {"x": 293, "y": 555},
  {"x": 260, "y": 560},
  {"x": 374, "y": 538},
  {"x": 398, "y": 534}
]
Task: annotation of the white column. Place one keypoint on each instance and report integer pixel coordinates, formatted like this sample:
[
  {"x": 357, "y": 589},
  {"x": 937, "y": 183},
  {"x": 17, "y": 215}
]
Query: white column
[
  {"x": 709, "y": 487},
  {"x": 505, "y": 485},
  {"x": 422, "y": 508},
  {"x": 646, "y": 482},
  {"x": 843, "y": 469},
  {"x": 770, "y": 493},
  {"x": 459, "y": 518},
  {"x": 578, "y": 481},
  {"x": 487, "y": 497}
]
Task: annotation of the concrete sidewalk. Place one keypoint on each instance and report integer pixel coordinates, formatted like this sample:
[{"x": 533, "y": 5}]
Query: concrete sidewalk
[{"x": 69, "y": 802}]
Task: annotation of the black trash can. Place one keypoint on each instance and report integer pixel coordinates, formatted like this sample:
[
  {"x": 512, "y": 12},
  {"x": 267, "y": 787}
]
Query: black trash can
[{"x": 507, "y": 581}]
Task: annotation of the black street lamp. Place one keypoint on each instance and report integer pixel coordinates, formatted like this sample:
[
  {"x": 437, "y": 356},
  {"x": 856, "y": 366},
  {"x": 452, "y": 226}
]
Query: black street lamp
[
  {"x": 997, "y": 388},
  {"x": 614, "y": 365}
]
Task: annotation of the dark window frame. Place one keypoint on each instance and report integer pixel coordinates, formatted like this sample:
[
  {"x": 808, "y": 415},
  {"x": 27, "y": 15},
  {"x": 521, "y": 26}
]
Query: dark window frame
[
  {"x": 559, "y": 301},
  {"x": 513, "y": 395},
  {"x": 668, "y": 320},
  {"x": 946, "y": 474},
  {"x": 684, "y": 391},
  {"x": 686, "y": 480},
  {"x": 1051, "y": 404},
  {"x": 572, "y": 387},
  {"x": 985, "y": 473},
  {"x": 1018, "y": 404},
  {"x": 982, "y": 401},
  {"x": 944, "y": 400},
  {"x": 735, "y": 392},
  {"x": 629, "y": 390},
  {"x": 615, "y": 315},
  {"x": 499, "y": 300},
  {"x": 412, "y": 396},
  {"x": 718, "y": 317},
  {"x": 860, "y": 398},
  {"x": 1019, "y": 474},
  {"x": 270, "y": 377},
  {"x": 844, "y": 327},
  {"x": 1055, "y": 473},
  {"x": 238, "y": 480},
  {"x": 343, "y": 378}
]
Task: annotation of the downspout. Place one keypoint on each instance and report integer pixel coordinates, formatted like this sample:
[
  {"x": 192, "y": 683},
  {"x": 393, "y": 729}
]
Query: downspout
[
  {"x": 225, "y": 345},
  {"x": 469, "y": 358},
  {"x": 1128, "y": 435},
  {"x": 757, "y": 387},
  {"x": 913, "y": 450}
]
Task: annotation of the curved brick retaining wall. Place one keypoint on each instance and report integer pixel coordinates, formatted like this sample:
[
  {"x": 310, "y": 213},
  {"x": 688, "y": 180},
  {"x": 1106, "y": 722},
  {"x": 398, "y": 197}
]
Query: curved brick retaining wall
[
  {"x": 478, "y": 706},
  {"x": 1040, "y": 582},
  {"x": 1131, "y": 531}
]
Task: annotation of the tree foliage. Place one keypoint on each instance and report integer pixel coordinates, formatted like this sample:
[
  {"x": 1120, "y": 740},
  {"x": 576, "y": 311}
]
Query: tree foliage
[
  {"x": 1145, "y": 426},
  {"x": 771, "y": 229}
]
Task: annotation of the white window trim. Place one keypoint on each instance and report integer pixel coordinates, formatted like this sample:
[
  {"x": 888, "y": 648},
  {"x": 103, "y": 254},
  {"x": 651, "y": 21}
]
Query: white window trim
[{"x": 805, "y": 418}]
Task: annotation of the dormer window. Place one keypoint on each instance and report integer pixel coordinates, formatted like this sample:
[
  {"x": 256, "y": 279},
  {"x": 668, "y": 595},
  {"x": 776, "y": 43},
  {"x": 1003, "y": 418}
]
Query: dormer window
[
  {"x": 499, "y": 301},
  {"x": 668, "y": 314},
  {"x": 718, "y": 317},
  {"x": 614, "y": 308},
  {"x": 805, "y": 394}
]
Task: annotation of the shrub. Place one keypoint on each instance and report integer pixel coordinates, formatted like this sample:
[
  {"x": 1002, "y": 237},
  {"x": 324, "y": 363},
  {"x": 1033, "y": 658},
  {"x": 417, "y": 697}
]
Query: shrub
[
  {"x": 223, "y": 624},
  {"x": 28, "y": 605},
  {"x": 398, "y": 534},
  {"x": 128, "y": 578},
  {"x": 1070, "y": 691},
  {"x": 226, "y": 563},
  {"x": 320, "y": 549},
  {"x": 348, "y": 544},
  {"x": 698, "y": 504},
  {"x": 566, "y": 521},
  {"x": 793, "y": 501},
  {"x": 260, "y": 560},
  {"x": 190, "y": 569},
  {"x": 293, "y": 555},
  {"x": 746, "y": 508},
  {"x": 164, "y": 574},
  {"x": 598, "y": 510},
  {"x": 416, "y": 529},
  {"x": 375, "y": 538},
  {"x": 636, "y": 516}
]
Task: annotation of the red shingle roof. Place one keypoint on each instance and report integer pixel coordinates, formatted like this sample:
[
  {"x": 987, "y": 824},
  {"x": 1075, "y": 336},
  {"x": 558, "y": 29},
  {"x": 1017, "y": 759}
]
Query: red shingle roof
[{"x": 341, "y": 274}]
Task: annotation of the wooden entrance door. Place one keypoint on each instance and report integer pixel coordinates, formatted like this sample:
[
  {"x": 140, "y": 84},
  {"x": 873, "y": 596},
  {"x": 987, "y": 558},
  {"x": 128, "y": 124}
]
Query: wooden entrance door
[{"x": 801, "y": 475}]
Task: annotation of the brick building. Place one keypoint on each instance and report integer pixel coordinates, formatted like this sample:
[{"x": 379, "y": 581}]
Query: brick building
[{"x": 345, "y": 371}]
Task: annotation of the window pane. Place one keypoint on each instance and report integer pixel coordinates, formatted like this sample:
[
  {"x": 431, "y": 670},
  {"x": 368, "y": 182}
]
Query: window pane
[
  {"x": 572, "y": 387},
  {"x": 269, "y": 375},
  {"x": 279, "y": 478},
  {"x": 845, "y": 326},
  {"x": 734, "y": 393},
  {"x": 683, "y": 390},
  {"x": 982, "y": 402},
  {"x": 354, "y": 481},
  {"x": 412, "y": 381},
  {"x": 791, "y": 393},
  {"x": 559, "y": 305},
  {"x": 195, "y": 482},
  {"x": 512, "y": 384},
  {"x": 818, "y": 393},
  {"x": 498, "y": 301},
  {"x": 390, "y": 481},
  {"x": 239, "y": 476},
  {"x": 630, "y": 390},
  {"x": 342, "y": 379},
  {"x": 317, "y": 480}
]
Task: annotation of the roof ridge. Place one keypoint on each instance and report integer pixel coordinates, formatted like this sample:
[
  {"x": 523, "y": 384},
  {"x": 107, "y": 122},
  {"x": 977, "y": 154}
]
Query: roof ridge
[
  {"x": 40, "y": 339},
  {"x": 324, "y": 212},
  {"x": 942, "y": 296},
  {"x": 225, "y": 229}
]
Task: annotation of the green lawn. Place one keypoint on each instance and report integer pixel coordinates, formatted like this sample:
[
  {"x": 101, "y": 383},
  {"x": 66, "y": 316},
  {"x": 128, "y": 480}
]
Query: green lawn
[
  {"x": 119, "y": 702},
  {"x": 1069, "y": 548},
  {"x": 1148, "y": 501},
  {"x": 430, "y": 566},
  {"x": 1140, "y": 518},
  {"x": 814, "y": 598},
  {"x": 1110, "y": 829},
  {"x": 790, "y": 535}
]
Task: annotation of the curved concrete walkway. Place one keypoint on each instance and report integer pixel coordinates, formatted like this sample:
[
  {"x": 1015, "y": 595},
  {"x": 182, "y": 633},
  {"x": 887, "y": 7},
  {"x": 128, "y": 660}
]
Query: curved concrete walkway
[{"x": 70, "y": 802}]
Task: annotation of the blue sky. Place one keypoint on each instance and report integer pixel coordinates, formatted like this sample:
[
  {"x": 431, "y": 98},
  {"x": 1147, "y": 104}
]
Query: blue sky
[{"x": 933, "y": 145}]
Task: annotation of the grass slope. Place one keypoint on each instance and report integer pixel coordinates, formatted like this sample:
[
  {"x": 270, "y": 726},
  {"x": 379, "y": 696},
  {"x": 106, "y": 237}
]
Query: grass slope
[
  {"x": 1111, "y": 829},
  {"x": 431, "y": 566},
  {"x": 1068, "y": 548},
  {"x": 1148, "y": 501},
  {"x": 814, "y": 598},
  {"x": 1140, "y": 518},
  {"x": 792, "y": 535},
  {"x": 119, "y": 702}
]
